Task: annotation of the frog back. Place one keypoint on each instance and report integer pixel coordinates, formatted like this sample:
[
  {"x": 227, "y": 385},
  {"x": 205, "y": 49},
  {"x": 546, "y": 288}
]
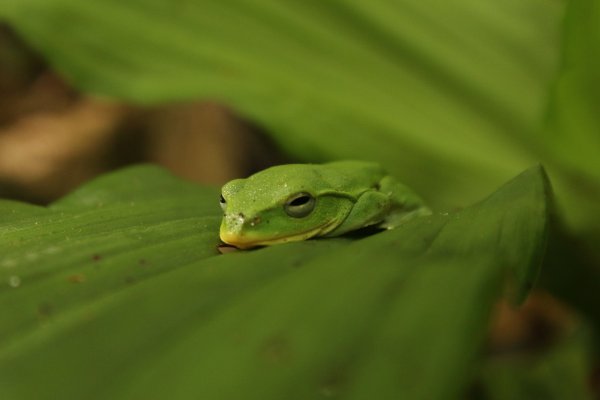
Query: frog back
[{"x": 351, "y": 177}]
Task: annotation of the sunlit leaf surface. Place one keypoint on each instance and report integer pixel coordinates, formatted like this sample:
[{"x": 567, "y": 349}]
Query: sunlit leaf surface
[{"x": 118, "y": 292}]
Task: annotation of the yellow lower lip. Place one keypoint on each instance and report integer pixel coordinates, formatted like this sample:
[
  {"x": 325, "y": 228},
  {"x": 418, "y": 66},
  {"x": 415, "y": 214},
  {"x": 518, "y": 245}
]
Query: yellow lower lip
[{"x": 242, "y": 242}]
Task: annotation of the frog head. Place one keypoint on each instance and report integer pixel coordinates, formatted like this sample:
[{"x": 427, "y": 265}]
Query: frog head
[{"x": 281, "y": 204}]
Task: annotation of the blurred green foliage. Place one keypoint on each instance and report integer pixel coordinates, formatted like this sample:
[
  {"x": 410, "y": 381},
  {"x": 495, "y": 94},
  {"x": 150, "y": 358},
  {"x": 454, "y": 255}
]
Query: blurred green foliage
[
  {"x": 452, "y": 97},
  {"x": 447, "y": 95},
  {"x": 559, "y": 373}
]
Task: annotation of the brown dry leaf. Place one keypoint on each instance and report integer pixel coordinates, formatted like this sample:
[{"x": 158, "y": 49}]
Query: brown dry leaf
[
  {"x": 206, "y": 142},
  {"x": 540, "y": 321},
  {"x": 53, "y": 138},
  {"x": 45, "y": 154}
]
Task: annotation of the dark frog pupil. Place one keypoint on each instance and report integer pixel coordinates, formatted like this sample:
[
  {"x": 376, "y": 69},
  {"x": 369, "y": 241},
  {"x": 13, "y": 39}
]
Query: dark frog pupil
[
  {"x": 300, "y": 201},
  {"x": 299, "y": 205}
]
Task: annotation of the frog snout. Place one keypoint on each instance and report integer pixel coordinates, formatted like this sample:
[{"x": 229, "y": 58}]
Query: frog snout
[
  {"x": 235, "y": 222},
  {"x": 237, "y": 230}
]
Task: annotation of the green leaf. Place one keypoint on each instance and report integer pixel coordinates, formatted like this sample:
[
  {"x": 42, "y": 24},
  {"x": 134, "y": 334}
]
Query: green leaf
[
  {"x": 117, "y": 291},
  {"x": 447, "y": 95},
  {"x": 559, "y": 372},
  {"x": 574, "y": 119},
  {"x": 571, "y": 134}
]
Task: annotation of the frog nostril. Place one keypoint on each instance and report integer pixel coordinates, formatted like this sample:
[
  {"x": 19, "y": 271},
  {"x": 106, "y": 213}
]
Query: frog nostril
[{"x": 255, "y": 221}]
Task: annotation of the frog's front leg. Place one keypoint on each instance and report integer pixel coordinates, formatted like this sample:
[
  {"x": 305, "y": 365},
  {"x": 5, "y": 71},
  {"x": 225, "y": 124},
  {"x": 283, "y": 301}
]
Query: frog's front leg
[
  {"x": 370, "y": 208},
  {"x": 404, "y": 203},
  {"x": 388, "y": 205}
]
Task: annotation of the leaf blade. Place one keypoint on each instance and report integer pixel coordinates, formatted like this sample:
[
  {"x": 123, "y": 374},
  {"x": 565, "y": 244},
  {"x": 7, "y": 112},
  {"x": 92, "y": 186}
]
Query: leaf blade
[{"x": 308, "y": 319}]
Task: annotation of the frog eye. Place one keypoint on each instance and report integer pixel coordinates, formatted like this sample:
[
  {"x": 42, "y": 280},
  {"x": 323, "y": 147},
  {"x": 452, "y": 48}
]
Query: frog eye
[
  {"x": 299, "y": 205},
  {"x": 223, "y": 203}
]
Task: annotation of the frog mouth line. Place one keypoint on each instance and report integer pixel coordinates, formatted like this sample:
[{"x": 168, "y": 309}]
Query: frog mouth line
[{"x": 241, "y": 244}]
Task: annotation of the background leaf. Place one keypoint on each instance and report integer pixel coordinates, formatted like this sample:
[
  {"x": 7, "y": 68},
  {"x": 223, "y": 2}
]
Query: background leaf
[
  {"x": 557, "y": 373},
  {"x": 448, "y": 96},
  {"x": 151, "y": 311},
  {"x": 573, "y": 120}
]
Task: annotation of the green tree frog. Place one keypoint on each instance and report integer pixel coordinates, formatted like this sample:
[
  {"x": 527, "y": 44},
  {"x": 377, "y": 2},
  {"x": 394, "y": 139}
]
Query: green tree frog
[{"x": 295, "y": 202}]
